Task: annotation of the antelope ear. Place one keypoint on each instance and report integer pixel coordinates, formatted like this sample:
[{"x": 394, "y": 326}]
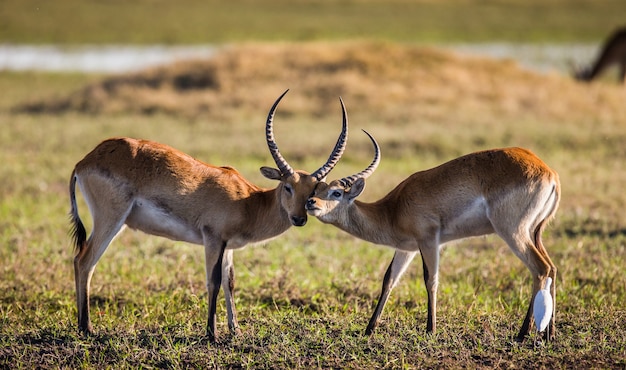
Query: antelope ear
[
  {"x": 356, "y": 189},
  {"x": 271, "y": 173}
]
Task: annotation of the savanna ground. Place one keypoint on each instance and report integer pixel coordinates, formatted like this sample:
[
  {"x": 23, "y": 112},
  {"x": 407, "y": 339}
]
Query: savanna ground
[{"x": 304, "y": 298}]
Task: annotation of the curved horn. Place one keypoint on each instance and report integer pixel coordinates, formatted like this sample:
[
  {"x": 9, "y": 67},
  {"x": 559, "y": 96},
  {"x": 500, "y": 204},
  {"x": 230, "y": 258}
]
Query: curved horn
[
  {"x": 348, "y": 181},
  {"x": 339, "y": 147},
  {"x": 283, "y": 166}
]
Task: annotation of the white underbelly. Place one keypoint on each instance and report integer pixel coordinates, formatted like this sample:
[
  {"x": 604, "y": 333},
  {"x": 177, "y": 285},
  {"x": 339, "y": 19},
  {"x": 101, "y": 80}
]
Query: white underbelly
[
  {"x": 153, "y": 219},
  {"x": 469, "y": 221}
]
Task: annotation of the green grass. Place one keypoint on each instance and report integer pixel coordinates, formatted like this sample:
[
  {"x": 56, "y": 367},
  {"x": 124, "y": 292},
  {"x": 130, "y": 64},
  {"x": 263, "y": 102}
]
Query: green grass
[
  {"x": 198, "y": 21},
  {"x": 304, "y": 298}
]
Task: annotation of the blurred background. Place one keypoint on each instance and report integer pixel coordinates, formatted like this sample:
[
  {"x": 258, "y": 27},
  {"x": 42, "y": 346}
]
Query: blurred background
[{"x": 118, "y": 35}]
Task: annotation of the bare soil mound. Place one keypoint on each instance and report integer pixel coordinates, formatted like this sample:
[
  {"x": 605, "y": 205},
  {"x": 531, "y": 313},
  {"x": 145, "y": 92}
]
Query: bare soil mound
[{"x": 381, "y": 79}]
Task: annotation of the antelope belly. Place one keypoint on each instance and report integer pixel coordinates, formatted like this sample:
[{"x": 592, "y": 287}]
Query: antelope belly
[
  {"x": 152, "y": 218},
  {"x": 468, "y": 221}
]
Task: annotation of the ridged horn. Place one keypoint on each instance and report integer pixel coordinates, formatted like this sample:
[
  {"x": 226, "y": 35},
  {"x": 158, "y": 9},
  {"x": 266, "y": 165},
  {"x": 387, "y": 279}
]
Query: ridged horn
[
  {"x": 284, "y": 167},
  {"x": 337, "y": 152},
  {"x": 348, "y": 181}
]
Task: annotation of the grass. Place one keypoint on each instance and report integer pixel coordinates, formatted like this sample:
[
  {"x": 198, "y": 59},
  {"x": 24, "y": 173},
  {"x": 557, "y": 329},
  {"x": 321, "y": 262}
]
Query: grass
[
  {"x": 195, "y": 21},
  {"x": 304, "y": 298}
]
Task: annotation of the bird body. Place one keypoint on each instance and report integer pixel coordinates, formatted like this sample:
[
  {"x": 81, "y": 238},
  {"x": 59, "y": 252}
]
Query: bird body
[{"x": 542, "y": 307}]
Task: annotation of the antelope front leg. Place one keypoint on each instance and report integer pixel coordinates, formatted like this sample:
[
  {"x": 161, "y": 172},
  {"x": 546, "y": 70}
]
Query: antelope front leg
[
  {"x": 214, "y": 255},
  {"x": 398, "y": 265},
  {"x": 430, "y": 262},
  {"x": 228, "y": 284}
]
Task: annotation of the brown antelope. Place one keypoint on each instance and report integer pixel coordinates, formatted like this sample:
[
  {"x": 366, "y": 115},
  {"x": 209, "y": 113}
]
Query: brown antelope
[
  {"x": 613, "y": 52},
  {"x": 510, "y": 192},
  {"x": 161, "y": 191}
]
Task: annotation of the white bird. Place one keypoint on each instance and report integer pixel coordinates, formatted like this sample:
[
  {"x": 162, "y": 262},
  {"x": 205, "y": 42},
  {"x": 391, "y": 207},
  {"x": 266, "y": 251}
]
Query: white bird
[{"x": 542, "y": 307}]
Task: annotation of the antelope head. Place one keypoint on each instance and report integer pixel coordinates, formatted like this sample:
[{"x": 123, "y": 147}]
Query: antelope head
[
  {"x": 296, "y": 186},
  {"x": 330, "y": 201}
]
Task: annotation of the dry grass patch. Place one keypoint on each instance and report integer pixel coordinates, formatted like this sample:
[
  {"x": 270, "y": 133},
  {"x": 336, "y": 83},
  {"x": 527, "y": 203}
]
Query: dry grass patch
[{"x": 387, "y": 80}]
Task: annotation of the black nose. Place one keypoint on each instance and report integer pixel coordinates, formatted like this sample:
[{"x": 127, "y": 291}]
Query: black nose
[
  {"x": 310, "y": 203},
  {"x": 298, "y": 221}
]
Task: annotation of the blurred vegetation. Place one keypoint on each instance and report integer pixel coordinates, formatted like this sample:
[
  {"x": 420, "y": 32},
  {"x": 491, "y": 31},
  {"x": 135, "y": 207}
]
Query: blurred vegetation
[
  {"x": 200, "y": 21},
  {"x": 390, "y": 82}
]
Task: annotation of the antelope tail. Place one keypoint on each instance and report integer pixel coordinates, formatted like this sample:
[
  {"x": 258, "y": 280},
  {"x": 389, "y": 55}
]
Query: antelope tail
[{"x": 77, "y": 231}]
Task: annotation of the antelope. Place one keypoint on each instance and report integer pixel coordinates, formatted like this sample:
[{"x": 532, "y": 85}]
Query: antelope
[
  {"x": 161, "y": 191},
  {"x": 510, "y": 192},
  {"x": 613, "y": 52}
]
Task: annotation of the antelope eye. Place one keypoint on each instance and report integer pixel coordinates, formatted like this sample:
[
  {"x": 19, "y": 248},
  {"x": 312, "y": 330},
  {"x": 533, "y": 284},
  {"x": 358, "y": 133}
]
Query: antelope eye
[
  {"x": 288, "y": 189},
  {"x": 336, "y": 194}
]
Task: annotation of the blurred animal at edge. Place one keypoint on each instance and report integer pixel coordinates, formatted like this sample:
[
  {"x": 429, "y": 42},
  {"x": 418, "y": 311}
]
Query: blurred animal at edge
[{"x": 613, "y": 52}]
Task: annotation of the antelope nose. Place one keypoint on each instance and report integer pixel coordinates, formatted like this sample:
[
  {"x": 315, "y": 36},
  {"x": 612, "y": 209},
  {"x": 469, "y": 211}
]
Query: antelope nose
[
  {"x": 298, "y": 220},
  {"x": 310, "y": 203}
]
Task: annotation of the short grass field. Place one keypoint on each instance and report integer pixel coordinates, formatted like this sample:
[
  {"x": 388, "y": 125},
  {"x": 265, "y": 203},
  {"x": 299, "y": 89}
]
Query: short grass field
[{"x": 304, "y": 298}]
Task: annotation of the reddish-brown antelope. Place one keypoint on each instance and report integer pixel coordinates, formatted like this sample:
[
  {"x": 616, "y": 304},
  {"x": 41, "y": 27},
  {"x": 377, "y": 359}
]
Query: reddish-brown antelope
[
  {"x": 613, "y": 52},
  {"x": 161, "y": 191},
  {"x": 510, "y": 192}
]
